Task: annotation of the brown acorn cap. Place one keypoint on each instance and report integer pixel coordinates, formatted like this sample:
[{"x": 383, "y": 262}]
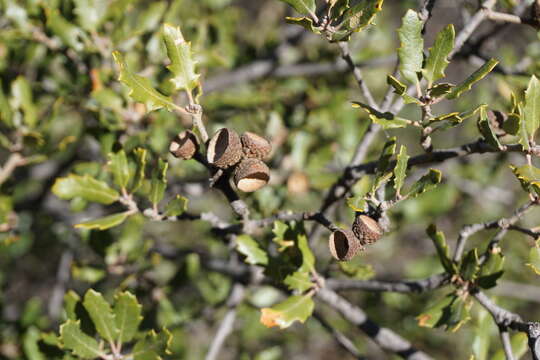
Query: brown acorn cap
[
  {"x": 366, "y": 229},
  {"x": 255, "y": 146},
  {"x": 251, "y": 175},
  {"x": 224, "y": 149},
  {"x": 344, "y": 245},
  {"x": 184, "y": 145}
]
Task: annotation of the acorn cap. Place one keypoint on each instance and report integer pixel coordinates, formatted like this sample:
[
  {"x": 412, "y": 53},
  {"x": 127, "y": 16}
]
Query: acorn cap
[
  {"x": 344, "y": 245},
  {"x": 366, "y": 229},
  {"x": 224, "y": 148},
  {"x": 251, "y": 175},
  {"x": 255, "y": 146},
  {"x": 184, "y": 145}
]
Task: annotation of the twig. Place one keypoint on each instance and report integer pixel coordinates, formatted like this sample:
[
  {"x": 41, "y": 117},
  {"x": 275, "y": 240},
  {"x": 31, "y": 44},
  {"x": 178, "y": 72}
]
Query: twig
[
  {"x": 509, "y": 18},
  {"x": 505, "y": 340},
  {"x": 62, "y": 277},
  {"x": 357, "y": 73},
  {"x": 503, "y": 223},
  {"x": 385, "y": 338},
  {"x": 400, "y": 286},
  {"x": 14, "y": 160},
  {"x": 227, "y": 324},
  {"x": 468, "y": 30},
  {"x": 341, "y": 339}
]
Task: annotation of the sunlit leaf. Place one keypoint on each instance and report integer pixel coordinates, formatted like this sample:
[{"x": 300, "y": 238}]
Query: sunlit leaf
[
  {"x": 159, "y": 182},
  {"x": 141, "y": 89},
  {"x": 101, "y": 314},
  {"x": 78, "y": 342},
  {"x": 400, "y": 171},
  {"x": 529, "y": 177},
  {"x": 425, "y": 183},
  {"x": 443, "y": 251},
  {"x": 176, "y": 206},
  {"x": 437, "y": 61},
  {"x": 127, "y": 314},
  {"x": 531, "y": 109},
  {"x": 104, "y": 223},
  {"x": 182, "y": 62},
  {"x": 412, "y": 46},
  {"x": 248, "y": 247},
  {"x": 85, "y": 187},
  {"x": 305, "y": 7},
  {"x": 119, "y": 167}
]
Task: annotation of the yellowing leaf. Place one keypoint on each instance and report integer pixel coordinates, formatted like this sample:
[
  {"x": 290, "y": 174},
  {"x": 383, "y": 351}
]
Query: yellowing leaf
[{"x": 284, "y": 314}]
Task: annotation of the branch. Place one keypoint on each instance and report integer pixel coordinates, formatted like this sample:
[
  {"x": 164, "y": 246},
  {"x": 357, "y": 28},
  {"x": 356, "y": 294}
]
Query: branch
[
  {"x": 503, "y": 223},
  {"x": 506, "y": 319},
  {"x": 15, "y": 160},
  {"x": 227, "y": 324},
  {"x": 401, "y": 286},
  {"x": 341, "y": 339},
  {"x": 383, "y": 337},
  {"x": 505, "y": 340}
]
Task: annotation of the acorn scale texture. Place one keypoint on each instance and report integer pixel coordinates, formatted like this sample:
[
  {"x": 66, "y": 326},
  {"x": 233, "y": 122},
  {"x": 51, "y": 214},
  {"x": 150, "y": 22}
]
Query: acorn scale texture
[
  {"x": 344, "y": 245},
  {"x": 255, "y": 146},
  {"x": 184, "y": 145},
  {"x": 366, "y": 229},
  {"x": 224, "y": 149},
  {"x": 251, "y": 175}
]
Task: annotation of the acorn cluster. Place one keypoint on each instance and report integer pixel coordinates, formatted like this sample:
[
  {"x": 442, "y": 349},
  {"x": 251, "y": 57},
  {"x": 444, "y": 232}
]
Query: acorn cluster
[
  {"x": 241, "y": 156},
  {"x": 346, "y": 244}
]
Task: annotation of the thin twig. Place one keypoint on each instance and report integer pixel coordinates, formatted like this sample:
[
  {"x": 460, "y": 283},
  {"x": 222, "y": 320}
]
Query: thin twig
[
  {"x": 400, "y": 286},
  {"x": 227, "y": 324},
  {"x": 505, "y": 340}
]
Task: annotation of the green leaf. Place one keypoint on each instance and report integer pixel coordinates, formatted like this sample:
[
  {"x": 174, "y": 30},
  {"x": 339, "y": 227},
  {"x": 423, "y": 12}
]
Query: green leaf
[
  {"x": 357, "y": 271},
  {"x": 471, "y": 80},
  {"x": 387, "y": 120},
  {"x": 512, "y": 124},
  {"x": 485, "y": 129},
  {"x": 141, "y": 89},
  {"x": 6, "y": 114},
  {"x": 400, "y": 171},
  {"x": 159, "y": 182},
  {"x": 119, "y": 166},
  {"x": 301, "y": 279},
  {"x": 70, "y": 302},
  {"x": 127, "y": 314},
  {"x": 305, "y": 22},
  {"x": 437, "y": 314},
  {"x": 361, "y": 15},
  {"x": 529, "y": 177},
  {"x": 71, "y": 35},
  {"x": 401, "y": 90},
  {"x": 140, "y": 160},
  {"x": 101, "y": 314},
  {"x": 21, "y": 93},
  {"x": 305, "y": 7},
  {"x": 182, "y": 63},
  {"x": 534, "y": 260},
  {"x": 523, "y": 136},
  {"x": 388, "y": 151},
  {"x": 284, "y": 314},
  {"x": 481, "y": 339},
  {"x": 470, "y": 265},
  {"x": 447, "y": 121},
  {"x": 531, "y": 109},
  {"x": 85, "y": 187},
  {"x": 30, "y": 344},
  {"x": 251, "y": 250},
  {"x": 412, "y": 46},
  {"x": 152, "y": 346},
  {"x": 105, "y": 222},
  {"x": 357, "y": 203},
  {"x": 439, "y": 90},
  {"x": 176, "y": 206},
  {"x": 280, "y": 230},
  {"x": 439, "y": 241},
  {"x": 458, "y": 314},
  {"x": 492, "y": 269},
  {"x": 78, "y": 342},
  {"x": 437, "y": 61},
  {"x": 90, "y": 13},
  {"x": 425, "y": 183}
]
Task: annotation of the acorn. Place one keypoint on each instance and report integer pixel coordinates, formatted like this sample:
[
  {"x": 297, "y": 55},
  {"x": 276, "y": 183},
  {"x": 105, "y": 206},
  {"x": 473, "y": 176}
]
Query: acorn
[
  {"x": 255, "y": 146},
  {"x": 184, "y": 145},
  {"x": 251, "y": 175},
  {"x": 366, "y": 229},
  {"x": 224, "y": 149},
  {"x": 344, "y": 245}
]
